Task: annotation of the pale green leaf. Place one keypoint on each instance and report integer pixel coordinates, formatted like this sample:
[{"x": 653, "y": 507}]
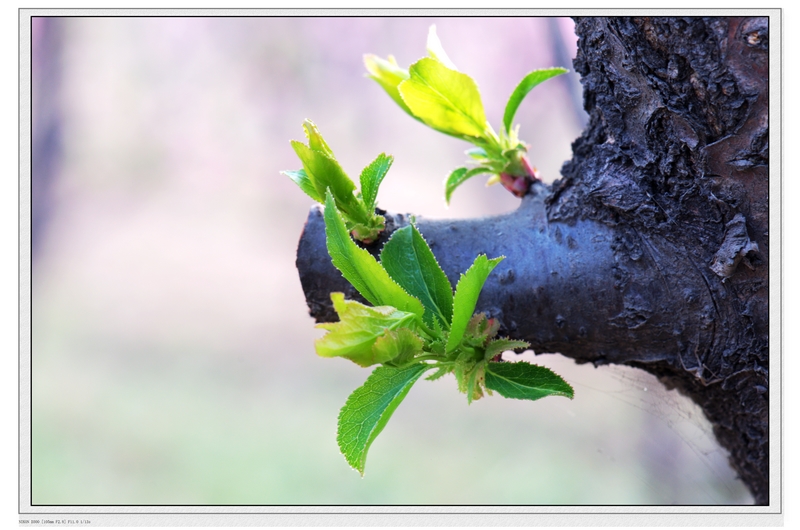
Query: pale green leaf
[
  {"x": 389, "y": 75},
  {"x": 398, "y": 345},
  {"x": 466, "y": 297},
  {"x": 301, "y": 179},
  {"x": 522, "y": 380},
  {"x": 359, "y": 267},
  {"x": 444, "y": 99},
  {"x": 526, "y": 85},
  {"x": 371, "y": 179},
  {"x": 458, "y": 177},
  {"x": 409, "y": 261},
  {"x": 359, "y": 330},
  {"x": 436, "y": 50},
  {"x": 369, "y": 408}
]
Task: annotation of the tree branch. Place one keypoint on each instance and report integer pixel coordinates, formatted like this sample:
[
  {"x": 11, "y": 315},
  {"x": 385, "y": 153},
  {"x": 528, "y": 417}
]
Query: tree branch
[{"x": 653, "y": 249}]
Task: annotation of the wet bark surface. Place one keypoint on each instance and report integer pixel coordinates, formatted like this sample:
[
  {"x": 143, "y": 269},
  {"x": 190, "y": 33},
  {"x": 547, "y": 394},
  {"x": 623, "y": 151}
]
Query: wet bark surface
[{"x": 652, "y": 250}]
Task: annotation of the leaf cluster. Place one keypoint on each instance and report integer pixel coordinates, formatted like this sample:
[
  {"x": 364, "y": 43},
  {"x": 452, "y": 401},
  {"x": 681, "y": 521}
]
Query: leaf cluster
[
  {"x": 433, "y": 91},
  {"x": 417, "y": 323},
  {"x": 321, "y": 171}
]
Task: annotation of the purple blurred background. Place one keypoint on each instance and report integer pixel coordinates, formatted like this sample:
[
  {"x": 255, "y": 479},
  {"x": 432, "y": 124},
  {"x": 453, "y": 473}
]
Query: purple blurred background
[{"x": 173, "y": 356}]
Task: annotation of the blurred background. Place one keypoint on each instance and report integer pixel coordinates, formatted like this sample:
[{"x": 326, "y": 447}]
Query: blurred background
[{"x": 173, "y": 356}]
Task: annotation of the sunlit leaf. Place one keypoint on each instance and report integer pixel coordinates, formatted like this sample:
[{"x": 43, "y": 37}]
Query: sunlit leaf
[
  {"x": 444, "y": 99},
  {"x": 389, "y": 75},
  {"x": 436, "y": 50}
]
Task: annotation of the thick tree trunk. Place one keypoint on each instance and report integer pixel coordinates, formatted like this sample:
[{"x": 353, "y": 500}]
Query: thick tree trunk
[{"x": 652, "y": 251}]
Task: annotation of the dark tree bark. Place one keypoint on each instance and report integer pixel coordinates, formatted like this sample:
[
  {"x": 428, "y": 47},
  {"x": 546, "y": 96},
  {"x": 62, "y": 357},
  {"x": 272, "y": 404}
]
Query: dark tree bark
[{"x": 652, "y": 251}]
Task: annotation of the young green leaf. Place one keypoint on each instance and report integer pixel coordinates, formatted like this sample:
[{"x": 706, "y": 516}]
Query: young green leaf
[
  {"x": 389, "y": 75},
  {"x": 526, "y": 85},
  {"x": 369, "y": 408},
  {"x": 498, "y": 346},
  {"x": 322, "y": 170},
  {"x": 436, "y": 50},
  {"x": 326, "y": 173},
  {"x": 478, "y": 153},
  {"x": 458, "y": 177},
  {"x": 371, "y": 179},
  {"x": 306, "y": 184},
  {"x": 359, "y": 330},
  {"x": 475, "y": 381},
  {"x": 466, "y": 297},
  {"x": 480, "y": 330},
  {"x": 359, "y": 267},
  {"x": 399, "y": 345},
  {"x": 315, "y": 139},
  {"x": 444, "y": 99},
  {"x": 439, "y": 373},
  {"x": 522, "y": 380},
  {"x": 409, "y": 261}
]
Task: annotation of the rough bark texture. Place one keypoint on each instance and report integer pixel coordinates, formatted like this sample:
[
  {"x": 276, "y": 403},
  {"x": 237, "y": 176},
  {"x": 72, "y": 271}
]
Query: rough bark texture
[{"x": 652, "y": 251}]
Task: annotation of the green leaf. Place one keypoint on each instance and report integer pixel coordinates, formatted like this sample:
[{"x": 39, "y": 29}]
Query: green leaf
[
  {"x": 315, "y": 139},
  {"x": 480, "y": 330},
  {"x": 466, "y": 297},
  {"x": 389, "y": 75},
  {"x": 371, "y": 179},
  {"x": 444, "y": 99},
  {"x": 477, "y": 153},
  {"x": 325, "y": 173},
  {"x": 409, "y": 261},
  {"x": 359, "y": 267},
  {"x": 399, "y": 346},
  {"x": 458, "y": 177},
  {"x": 522, "y": 380},
  {"x": 301, "y": 179},
  {"x": 498, "y": 346},
  {"x": 360, "y": 329},
  {"x": 369, "y": 408},
  {"x": 469, "y": 373},
  {"x": 526, "y": 85},
  {"x": 475, "y": 380},
  {"x": 439, "y": 373},
  {"x": 367, "y": 233},
  {"x": 436, "y": 50}
]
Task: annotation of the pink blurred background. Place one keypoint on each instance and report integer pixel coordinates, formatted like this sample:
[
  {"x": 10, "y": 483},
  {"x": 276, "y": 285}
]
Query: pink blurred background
[{"x": 173, "y": 358}]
